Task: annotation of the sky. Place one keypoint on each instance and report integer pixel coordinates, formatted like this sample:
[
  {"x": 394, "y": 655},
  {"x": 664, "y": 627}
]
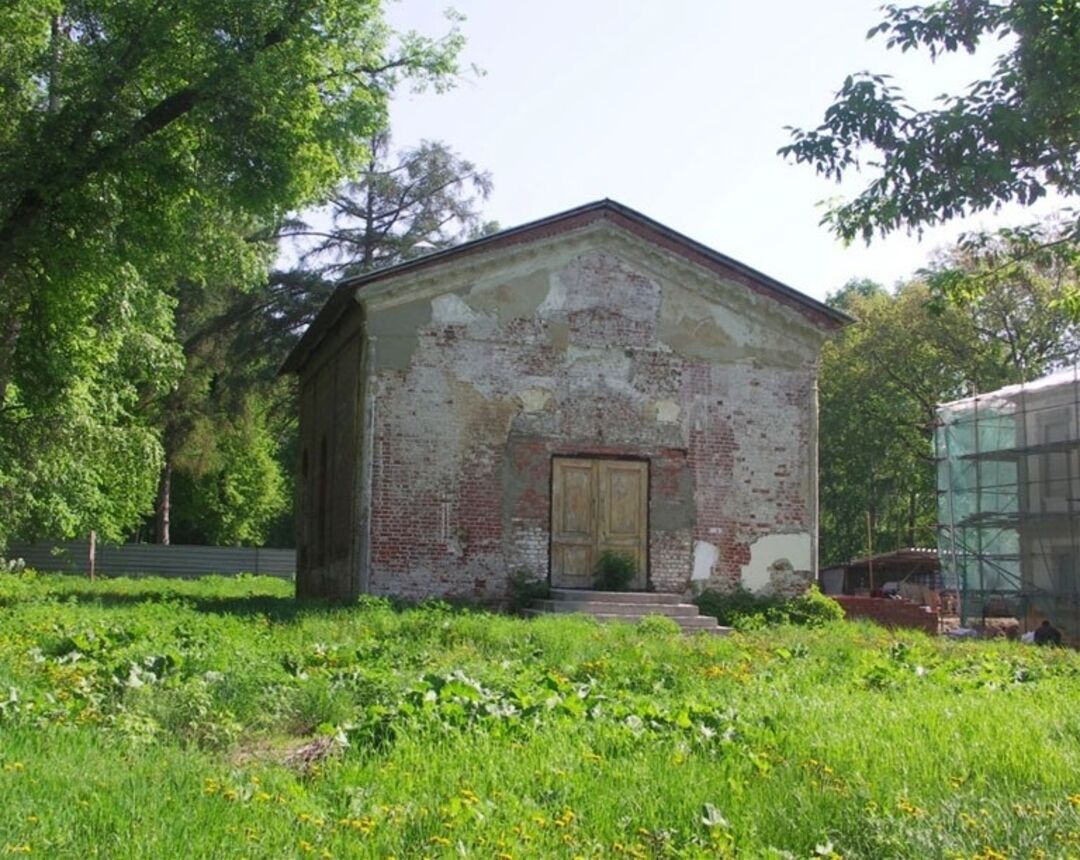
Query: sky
[{"x": 676, "y": 108}]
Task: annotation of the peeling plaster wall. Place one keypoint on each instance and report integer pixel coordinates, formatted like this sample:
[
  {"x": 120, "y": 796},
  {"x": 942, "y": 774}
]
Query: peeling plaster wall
[{"x": 597, "y": 346}]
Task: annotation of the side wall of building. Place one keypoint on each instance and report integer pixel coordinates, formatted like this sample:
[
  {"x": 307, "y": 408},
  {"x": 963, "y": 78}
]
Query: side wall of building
[
  {"x": 326, "y": 484},
  {"x": 597, "y": 347}
]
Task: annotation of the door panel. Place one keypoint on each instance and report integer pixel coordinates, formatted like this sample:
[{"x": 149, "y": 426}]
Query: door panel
[
  {"x": 623, "y": 512},
  {"x": 573, "y": 542},
  {"x": 597, "y": 505}
]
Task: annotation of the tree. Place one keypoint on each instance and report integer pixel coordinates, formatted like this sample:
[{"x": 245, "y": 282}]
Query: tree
[
  {"x": 144, "y": 144},
  {"x": 226, "y": 393},
  {"x": 229, "y": 484},
  {"x": 880, "y": 382},
  {"x": 882, "y": 379},
  {"x": 426, "y": 201},
  {"x": 1009, "y": 138}
]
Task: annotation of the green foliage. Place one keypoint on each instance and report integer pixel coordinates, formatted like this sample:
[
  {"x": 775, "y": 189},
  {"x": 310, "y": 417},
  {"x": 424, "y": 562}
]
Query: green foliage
[
  {"x": 281, "y": 728},
  {"x": 235, "y": 337},
  {"x": 659, "y": 625},
  {"x": 882, "y": 378},
  {"x": 523, "y": 587},
  {"x": 424, "y": 199},
  {"x": 745, "y": 610},
  {"x": 146, "y": 145},
  {"x": 232, "y": 487},
  {"x": 614, "y": 571},
  {"x": 1009, "y": 138},
  {"x": 1023, "y": 287}
]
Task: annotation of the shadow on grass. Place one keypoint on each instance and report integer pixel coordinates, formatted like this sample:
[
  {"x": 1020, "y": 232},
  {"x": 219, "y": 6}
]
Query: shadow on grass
[{"x": 275, "y": 607}]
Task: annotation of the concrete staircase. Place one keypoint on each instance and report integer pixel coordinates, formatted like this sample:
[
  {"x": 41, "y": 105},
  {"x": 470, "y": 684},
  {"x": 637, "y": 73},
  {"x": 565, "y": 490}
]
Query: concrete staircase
[{"x": 626, "y": 606}]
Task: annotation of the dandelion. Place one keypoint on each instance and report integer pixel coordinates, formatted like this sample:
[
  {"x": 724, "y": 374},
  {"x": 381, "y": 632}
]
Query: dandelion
[
  {"x": 306, "y": 846},
  {"x": 909, "y": 808},
  {"x": 17, "y": 849}
]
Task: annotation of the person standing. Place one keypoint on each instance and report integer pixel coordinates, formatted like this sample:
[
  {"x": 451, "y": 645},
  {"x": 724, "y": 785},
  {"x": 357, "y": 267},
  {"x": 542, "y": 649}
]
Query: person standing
[{"x": 1047, "y": 634}]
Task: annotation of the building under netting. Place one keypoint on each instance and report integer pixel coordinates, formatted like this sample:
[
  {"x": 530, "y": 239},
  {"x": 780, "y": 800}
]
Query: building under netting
[{"x": 1009, "y": 501}]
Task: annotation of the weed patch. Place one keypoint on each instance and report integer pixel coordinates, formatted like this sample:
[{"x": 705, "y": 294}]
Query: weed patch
[{"x": 224, "y": 717}]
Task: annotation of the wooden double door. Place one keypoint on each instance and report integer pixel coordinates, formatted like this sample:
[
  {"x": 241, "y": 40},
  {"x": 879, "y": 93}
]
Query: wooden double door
[{"x": 597, "y": 505}]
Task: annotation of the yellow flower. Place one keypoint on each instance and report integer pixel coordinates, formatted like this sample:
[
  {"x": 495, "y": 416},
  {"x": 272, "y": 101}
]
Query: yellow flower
[
  {"x": 17, "y": 849},
  {"x": 909, "y": 808}
]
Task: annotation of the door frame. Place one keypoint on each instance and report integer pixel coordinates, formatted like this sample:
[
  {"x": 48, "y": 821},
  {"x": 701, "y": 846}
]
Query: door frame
[{"x": 606, "y": 455}]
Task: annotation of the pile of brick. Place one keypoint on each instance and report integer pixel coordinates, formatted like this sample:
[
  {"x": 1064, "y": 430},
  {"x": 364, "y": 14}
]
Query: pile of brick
[{"x": 889, "y": 612}]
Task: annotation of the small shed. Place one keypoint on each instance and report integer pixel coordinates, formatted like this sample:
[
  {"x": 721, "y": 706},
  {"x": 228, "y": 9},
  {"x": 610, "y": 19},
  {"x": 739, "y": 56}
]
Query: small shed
[{"x": 590, "y": 381}]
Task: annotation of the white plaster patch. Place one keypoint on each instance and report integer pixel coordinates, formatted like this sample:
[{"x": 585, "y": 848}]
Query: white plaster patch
[
  {"x": 792, "y": 550},
  {"x": 667, "y": 412},
  {"x": 451, "y": 309},
  {"x": 534, "y": 399},
  {"x": 555, "y": 300},
  {"x": 705, "y": 556},
  {"x": 588, "y": 366}
]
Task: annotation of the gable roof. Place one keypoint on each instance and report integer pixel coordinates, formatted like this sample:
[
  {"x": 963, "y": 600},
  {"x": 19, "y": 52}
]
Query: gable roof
[{"x": 629, "y": 219}]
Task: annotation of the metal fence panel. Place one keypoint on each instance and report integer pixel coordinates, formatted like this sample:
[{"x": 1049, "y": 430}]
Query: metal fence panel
[{"x": 155, "y": 559}]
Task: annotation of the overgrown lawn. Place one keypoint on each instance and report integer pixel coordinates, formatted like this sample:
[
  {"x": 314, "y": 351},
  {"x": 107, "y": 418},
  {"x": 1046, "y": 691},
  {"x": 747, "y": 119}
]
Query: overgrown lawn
[{"x": 220, "y": 718}]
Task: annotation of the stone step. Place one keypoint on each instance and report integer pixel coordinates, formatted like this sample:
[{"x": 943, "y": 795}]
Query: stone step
[
  {"x": 615, "y": 607},
  {"x": 584, "y": 594}
]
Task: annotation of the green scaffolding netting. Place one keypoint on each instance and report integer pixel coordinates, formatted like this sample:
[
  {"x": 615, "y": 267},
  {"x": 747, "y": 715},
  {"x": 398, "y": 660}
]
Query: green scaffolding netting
[{"x": 1006, "y": 484}]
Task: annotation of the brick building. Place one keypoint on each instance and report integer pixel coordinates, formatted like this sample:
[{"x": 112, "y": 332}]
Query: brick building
[{"x": 589, "y": 381}]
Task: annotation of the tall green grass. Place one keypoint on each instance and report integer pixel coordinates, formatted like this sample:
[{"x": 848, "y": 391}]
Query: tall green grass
[{"x": 220, "y": 718}]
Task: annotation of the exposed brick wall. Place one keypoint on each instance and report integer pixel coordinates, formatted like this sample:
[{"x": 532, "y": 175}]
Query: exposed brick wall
[
  {"x": 472, "y": 404},
  {"x": 888, "y": 612}
]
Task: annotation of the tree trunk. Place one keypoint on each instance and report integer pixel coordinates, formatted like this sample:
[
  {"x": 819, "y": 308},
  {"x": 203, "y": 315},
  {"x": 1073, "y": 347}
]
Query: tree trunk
[
  {"x": 9, "y": 335},
  {"x": 912, "y": 504},
  {"x": 161, "y": 531},
  {"x": 56, "y": 56}
]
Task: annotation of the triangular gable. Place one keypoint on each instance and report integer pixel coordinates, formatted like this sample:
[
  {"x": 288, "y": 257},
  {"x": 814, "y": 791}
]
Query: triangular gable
[{"x": 818, "y": 313}]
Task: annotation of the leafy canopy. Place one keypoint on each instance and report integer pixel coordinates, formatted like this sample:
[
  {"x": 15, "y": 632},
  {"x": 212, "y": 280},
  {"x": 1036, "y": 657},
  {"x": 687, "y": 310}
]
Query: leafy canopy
[
  {"x": 882, "y": 379},
  {"x": 421, "y": 200},
  {"x": 234, "y": 339},
  {"x": 1010, "y": 138},
  {"x": 144, "y": 144}
]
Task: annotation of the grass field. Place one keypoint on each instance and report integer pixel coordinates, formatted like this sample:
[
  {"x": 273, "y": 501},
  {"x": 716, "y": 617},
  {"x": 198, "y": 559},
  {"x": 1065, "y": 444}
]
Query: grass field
[{"x": 220, "y": 718}]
